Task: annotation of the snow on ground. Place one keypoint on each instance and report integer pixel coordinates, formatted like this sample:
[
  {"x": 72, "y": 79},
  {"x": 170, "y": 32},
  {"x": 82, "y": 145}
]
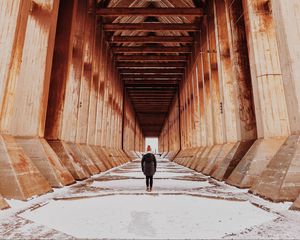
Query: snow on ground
[
  {"x": 139, "y": 174},
  {"x": 144, "y": 217},
  {"x": 158, "y": 184},
  {"x": 183, "y": 204}
]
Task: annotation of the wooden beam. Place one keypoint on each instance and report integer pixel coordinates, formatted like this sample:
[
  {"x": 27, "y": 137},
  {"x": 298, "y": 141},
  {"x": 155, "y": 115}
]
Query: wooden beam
[
  {"x": 152, "y": 58},
  {"x": 132, "y": 76},
  {"x": 151, "y": 71},
  {"x": 151, "y": 39},
  {"x": 156, "y": 49},
  {"x": 151, "y": 79},
  {"x": 155, "y": 12},
  {"x": 151, "y": 27},
  {"x": 156, "y": 82},
  {"x": 150, "y": 65}
]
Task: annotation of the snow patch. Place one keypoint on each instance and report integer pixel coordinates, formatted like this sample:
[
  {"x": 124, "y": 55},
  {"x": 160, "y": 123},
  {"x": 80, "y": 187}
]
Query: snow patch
[
  {"x": 158, "y": 184},
  {"x": 144, "y": 217}
]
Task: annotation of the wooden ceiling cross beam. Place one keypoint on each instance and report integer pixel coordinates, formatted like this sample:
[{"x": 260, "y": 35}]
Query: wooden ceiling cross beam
[
  {"x": 150, "y": 39},
  {"x": 155, "y": 12},
  {"x": 149, "y": 58},
  {"x": 133, "y": 76},
  {"x": 150, "y": 65},
  {"x": 151, "y": 71},
  {"x": 151, "y": 27},
  {"x": 154, "y": 49}
]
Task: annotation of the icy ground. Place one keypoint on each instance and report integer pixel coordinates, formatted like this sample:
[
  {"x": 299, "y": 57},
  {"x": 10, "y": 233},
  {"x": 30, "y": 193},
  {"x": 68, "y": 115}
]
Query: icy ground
[{"x": 183, "y": 205}]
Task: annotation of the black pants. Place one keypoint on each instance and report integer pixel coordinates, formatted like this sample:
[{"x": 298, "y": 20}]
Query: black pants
[{"x": 149, "y": 178}]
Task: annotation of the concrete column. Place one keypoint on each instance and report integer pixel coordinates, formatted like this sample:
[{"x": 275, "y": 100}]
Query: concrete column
[
  {"x": 280, "y": 180},
  {"x": 25, "y": 103},
  {"x": 268, "y": 90},
  {"x": 236, "y": 98}
]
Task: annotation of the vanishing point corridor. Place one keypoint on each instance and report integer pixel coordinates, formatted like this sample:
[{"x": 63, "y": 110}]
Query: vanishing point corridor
[{"x": 84, "y": 84}]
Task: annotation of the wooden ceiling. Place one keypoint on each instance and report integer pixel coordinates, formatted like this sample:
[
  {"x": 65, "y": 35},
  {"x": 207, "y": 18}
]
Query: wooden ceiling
[{"x": 152, "y": 41}]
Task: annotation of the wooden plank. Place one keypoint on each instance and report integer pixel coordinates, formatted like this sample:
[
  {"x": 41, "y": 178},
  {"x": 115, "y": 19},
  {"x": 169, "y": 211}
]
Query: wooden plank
[
  {"x": 132, "y": 76},
  {"x": 151, "y": 27},
  {"x": 156, "y": 12},
  {"x": 150, "y": 39},
  {"x": 151, "y": 65},
  {"x": 146, "y": 79},
  {"x": 151, "y": 49},
  {"x": 151, "y": 71},
  {"x": 151, "y": 58}
]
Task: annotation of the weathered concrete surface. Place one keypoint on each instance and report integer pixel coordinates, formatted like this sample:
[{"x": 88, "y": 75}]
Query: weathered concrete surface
[
  {"x": 296, "y": 205},
  {"x": 254, "y": 162},
  {"x": 211, "y": 157},
  {"x": 20, "y": 178},
  {"x": 226, "y": 149},
  {"x": 103, "y": 156},
  {"x": 232, "y": 159},
  {"x": 92, "y": 155},
  {"x": 202, "y": 159},
  {"x": 280, "y": 180},
  {"x": 85, "y": 161},
  {"x": 196, "y": 157},
  {"x": 46, "y": 160},
  {"x": 3, "y": 203},
  {"x": 69, "y": 159}
]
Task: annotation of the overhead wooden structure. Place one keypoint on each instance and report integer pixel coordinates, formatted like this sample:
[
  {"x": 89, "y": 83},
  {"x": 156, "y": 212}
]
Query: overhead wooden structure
[{"x": 152, "y": 42}]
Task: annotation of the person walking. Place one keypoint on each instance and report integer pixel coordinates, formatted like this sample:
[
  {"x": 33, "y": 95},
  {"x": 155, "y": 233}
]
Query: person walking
[{"x": 149, "y": 169}]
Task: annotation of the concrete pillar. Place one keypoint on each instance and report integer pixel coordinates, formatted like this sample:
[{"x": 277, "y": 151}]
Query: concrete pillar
[
  {"x": 24, "y": 104},
  {"x": 280, "y": 181},
  {"x": 270, "y": 103},
  {"x": 239, "y": 129},
  {"x": 63, "y": 102}
]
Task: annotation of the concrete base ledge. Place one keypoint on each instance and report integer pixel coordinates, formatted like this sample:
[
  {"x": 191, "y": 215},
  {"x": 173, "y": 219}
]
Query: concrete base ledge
[
  {"x": 191, "y": 160},
  {"x": 254, "y": 162},
  {"x": 3, "y": 203},
  {"x": 171, "y": 155},
  {"x": 196, "y": 158},
  {"x": 93, "y": 156},
  {"x": 231, "y": 160},
  {"x": 296, "y": 204},
  {"x": 69, "y": 159},
  {"x": 208, "y": 160},
  {"x": 20, "y": 178},
  {"x": 46, "y": 160},
  {"x": 280, "y": 180},
  {"x": 201, "y": 161},
  {"x": 83, "y": 158},
  {"x": 131, "y": 154},
  {"x": 214, "y": 165},
  {"x": 103, "y": 156}
]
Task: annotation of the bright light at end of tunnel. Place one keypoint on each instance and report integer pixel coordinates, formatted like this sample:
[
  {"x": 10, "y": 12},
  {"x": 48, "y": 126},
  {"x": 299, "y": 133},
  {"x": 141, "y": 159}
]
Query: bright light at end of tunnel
[{"x": 153, "y": 142}]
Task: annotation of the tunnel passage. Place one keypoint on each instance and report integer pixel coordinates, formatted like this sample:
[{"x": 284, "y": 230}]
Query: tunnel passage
[{"x": 84, "y": 82}]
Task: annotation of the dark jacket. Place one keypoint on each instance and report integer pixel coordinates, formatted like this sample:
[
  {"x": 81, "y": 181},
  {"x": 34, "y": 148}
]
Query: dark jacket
[{"x": 148, "y": 164}]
